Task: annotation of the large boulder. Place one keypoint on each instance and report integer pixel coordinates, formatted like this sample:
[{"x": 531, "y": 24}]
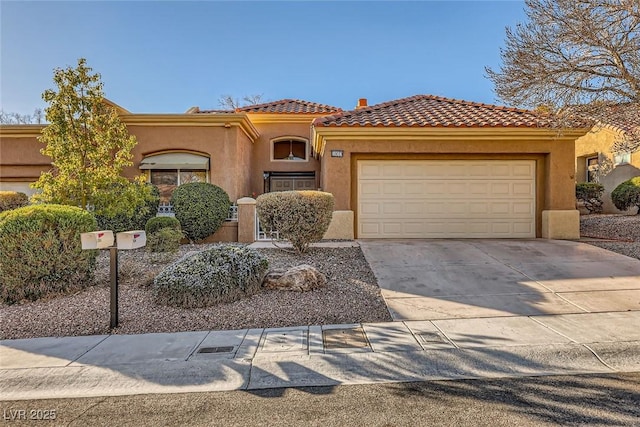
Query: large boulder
[{"x": 300, "y": 278}]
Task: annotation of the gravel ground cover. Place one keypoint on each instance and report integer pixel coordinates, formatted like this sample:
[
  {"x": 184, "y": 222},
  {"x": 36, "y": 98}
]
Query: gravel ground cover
[
  {"x": 352, "y": 296},
  {"x": 617, "y": 233}
]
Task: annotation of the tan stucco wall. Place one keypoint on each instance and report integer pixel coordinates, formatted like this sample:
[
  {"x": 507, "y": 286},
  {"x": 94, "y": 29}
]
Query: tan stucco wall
[
  {"x": 20, "y": 158},
  {"x": 228, "y": 148},
  {"x": 341, "y": 226},
  {"x": 262, "y": 152},
  {"x": 561, "y": 224},
  {"x": 597, "y": 141},
  {"x": 555, "y": 159},
  {"x": 237, "y": 163},
  {"x": 228, "y": 232}
]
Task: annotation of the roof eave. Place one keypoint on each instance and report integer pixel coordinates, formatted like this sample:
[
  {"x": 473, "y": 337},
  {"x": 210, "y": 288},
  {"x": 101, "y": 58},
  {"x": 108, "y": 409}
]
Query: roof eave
[
  {"x": 21, "y": 130},
  {"x": 321, "y": 134},
  {"x": 198, "y": 120}
]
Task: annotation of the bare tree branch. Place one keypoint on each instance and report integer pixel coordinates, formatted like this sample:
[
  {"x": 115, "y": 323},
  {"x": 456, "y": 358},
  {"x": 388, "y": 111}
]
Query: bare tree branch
[
  {"x": 572, "y": 52},
  {"x": 231, "y": 103},
  {"x": 576, "y": 57},
  {"x": 11, "y": 118}
]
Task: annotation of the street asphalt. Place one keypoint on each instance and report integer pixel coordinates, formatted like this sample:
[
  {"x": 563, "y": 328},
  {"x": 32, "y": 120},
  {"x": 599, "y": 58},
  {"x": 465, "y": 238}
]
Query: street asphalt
[{"x": 585, "y": 400}]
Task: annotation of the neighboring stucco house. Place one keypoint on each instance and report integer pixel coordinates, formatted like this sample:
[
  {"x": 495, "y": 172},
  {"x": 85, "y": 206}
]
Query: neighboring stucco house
[
  {"x": 595, "y": 159},
  {"x": 422, "y": 166}
]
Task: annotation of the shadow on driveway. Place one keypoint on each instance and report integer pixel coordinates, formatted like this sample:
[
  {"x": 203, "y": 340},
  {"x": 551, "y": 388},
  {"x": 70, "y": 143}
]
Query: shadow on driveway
[{"x": 439, "y": 279}]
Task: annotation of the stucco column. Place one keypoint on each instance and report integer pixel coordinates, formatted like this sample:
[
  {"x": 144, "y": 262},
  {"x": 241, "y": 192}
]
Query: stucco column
[
  {"x": 561, "y": 224},
  {"x": 246, "y": 220}
]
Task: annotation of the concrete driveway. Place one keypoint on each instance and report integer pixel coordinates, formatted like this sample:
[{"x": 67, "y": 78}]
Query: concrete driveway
[{"x": 443, "y": 279}]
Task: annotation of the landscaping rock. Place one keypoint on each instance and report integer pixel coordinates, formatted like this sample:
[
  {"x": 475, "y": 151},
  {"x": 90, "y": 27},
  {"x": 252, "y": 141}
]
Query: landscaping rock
[{"x": 300, "y": 278}]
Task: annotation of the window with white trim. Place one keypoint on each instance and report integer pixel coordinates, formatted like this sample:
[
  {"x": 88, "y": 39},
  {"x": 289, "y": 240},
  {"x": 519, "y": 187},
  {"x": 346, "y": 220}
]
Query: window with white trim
[
  {"x": 168, "y": 179},
  {"x": 169, "y": 170},
  {"x": 621, "y": 158}
]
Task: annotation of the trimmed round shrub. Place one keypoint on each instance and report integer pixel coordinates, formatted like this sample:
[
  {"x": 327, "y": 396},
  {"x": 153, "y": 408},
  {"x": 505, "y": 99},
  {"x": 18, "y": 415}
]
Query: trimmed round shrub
[
  {"x": 159, "y": 222},
  {"x": 591, "y": 194},
  {"x": 223, "y": 273},
  {"x": 164, "y": 240},
  {"x": 40, "y": 251},
  {"x": 12, "y": 200},
  {"x": 137, "y": 221},
  {"x": 201, "y": 209},
  {"x": 627, "y": 195},
  {"x": 302, "y": 217}
]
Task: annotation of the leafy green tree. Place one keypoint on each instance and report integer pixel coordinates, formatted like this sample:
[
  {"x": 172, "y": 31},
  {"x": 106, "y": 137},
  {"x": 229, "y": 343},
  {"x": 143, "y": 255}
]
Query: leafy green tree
[{"x": 89, "y": 147}]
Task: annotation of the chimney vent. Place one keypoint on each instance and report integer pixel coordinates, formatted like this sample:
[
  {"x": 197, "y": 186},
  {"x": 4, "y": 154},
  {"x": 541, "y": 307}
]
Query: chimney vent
[{"x": 362, "y": 103}]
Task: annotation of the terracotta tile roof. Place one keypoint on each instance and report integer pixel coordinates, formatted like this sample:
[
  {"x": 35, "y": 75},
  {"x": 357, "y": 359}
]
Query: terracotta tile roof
[
  {"x": 214, "y": 111},
  {"x": 284, "y": 106},
  {"x": 289, "y": 106},
  {"x": 625, "y": 117},
  {"x": 434, "y": 111}
]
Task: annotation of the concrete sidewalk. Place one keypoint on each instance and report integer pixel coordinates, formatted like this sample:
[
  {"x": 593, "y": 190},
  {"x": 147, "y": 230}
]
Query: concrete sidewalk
[{"x": 107, "y": 365}]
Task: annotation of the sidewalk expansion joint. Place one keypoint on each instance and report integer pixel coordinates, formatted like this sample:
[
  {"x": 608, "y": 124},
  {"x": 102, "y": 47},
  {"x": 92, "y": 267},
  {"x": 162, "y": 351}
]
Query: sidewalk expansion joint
[
  {"x": 553, "y": 330},
  {"x": 445, "y": 335},
  {"x": 544, "y": 286},
  {"x": 88, "y": 350},
  {"x": 195, "y": 349},
  {"x": 599, "y": 358}
]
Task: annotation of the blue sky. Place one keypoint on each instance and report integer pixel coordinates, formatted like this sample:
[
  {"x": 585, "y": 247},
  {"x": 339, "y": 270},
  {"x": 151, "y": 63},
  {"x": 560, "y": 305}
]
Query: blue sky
[{"x": 166, "y": 56}]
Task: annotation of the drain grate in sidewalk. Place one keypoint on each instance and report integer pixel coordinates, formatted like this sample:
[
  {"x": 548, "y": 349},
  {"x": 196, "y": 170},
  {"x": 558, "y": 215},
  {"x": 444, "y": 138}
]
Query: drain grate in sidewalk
[
  {"x": 215, "y": 349},
  {"x": 344, "y": 338},
  {"x": 432, "y": 338}
]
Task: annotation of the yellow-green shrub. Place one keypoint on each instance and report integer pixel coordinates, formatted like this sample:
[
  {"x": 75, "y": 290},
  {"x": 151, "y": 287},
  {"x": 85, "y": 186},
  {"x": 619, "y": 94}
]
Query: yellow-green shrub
[
  {"x": 40, "y": 251},
  {"x": 302, "y": 217},
  {"x": 164, "y": 240},
  {"x": 12, "y": 200},
  {"x": 159, "y": 222}
]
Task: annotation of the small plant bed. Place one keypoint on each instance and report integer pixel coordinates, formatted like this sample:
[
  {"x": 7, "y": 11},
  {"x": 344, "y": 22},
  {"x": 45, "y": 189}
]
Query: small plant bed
[
  {"x": 351, "y": 296},
  {"x": 617, "y": 233}
]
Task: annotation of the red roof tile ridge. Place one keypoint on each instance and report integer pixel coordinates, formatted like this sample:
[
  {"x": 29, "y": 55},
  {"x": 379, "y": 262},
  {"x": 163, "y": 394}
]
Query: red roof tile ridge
[
  {"x": 427, "y": 97},
  {"x": 475, "y": 104},
  {"x": 215, "y": 111},
  {"x": 433, "y": 111},
  {"x": 287, "y": 101},
  {"x": 264, "y": 104},
  {"x": 330, "y": 117}
]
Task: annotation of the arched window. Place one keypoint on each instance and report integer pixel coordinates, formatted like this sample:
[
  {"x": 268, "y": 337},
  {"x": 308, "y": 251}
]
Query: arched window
[
  {"x": 168, "y": 170},
  {"x": 289, "y": 149}
]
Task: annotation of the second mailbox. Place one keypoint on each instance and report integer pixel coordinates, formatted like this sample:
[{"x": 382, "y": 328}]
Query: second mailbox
[
  {"x": 131, "y": 239},
  {"x": 97, "y": 239}
]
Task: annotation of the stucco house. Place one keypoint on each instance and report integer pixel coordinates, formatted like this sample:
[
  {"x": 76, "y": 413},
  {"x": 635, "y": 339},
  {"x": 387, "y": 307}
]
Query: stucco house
[
  {"x": 595, "y": 159},
  {"x": 417, "y": 167}
]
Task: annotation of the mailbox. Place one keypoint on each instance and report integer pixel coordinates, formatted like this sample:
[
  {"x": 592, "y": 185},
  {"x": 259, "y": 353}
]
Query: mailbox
[
  {"x": 131, "y": 239},
  {"x": 97, "y": 239}
]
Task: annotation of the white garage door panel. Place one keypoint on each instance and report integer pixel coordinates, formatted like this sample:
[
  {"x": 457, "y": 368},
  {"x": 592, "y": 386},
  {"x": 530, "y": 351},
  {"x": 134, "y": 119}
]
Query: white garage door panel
[{"x": 446, "y": 198}]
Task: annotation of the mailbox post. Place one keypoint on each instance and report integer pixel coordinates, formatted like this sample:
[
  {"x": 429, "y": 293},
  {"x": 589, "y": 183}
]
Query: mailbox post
[
  {"x": 105, "y": 240},
  {"x": 113, "y": 300}
]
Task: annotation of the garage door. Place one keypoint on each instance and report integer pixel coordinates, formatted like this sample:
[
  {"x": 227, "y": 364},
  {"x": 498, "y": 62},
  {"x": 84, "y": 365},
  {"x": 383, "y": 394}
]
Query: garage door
[{"x": 446, "y": 198}]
